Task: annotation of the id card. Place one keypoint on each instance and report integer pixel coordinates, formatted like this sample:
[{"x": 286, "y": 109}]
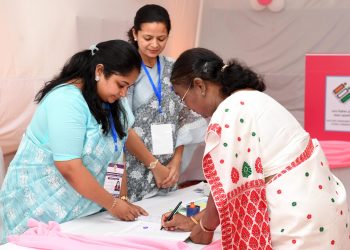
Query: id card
[
  {"x": 162, "y": 139},
  {"x": 113, "y": 180}
]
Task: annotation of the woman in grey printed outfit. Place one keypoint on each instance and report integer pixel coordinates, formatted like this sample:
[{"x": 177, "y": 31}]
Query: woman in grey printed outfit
[{"x": 163, "y": 125}]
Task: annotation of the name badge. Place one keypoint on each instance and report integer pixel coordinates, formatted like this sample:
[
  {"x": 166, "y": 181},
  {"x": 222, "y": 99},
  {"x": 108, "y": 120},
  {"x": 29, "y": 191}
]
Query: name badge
[
  {"x": 162, "y": 139},
  {"x": 113, "y": 179}
]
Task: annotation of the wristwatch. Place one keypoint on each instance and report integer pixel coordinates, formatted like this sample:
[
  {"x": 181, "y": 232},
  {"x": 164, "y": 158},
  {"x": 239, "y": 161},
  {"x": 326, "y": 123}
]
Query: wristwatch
[
  {"x": 153, "y": 164},
  {"x": 124, "y": 198}
]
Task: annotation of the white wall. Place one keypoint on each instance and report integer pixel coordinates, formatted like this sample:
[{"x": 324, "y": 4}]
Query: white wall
[{"x": 38, "y": 36}]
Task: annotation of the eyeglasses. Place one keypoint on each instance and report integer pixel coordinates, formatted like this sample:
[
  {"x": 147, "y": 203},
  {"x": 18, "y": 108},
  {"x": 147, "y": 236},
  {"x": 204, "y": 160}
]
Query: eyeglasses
[{"x": 183, "y": 98}]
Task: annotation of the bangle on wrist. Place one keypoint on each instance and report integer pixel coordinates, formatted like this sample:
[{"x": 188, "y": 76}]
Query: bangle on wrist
[
  {"x": 153, "y": 164},
  {"x": 124, "y": 198},
  {"x": 204, "y": 229},
  {"x": 115, "y": 200},
  {"x": 194, "y": 220}
]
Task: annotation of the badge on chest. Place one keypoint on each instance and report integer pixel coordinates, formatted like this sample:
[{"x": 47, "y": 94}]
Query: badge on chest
[
  {"x": 162, "y": 139},
  {"x": 113, "y": 179}
]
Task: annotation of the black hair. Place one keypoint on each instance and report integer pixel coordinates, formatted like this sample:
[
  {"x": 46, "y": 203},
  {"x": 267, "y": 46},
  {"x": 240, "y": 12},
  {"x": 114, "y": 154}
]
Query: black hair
[
  {"x": 205, "y": 64},
  {"x": 148, "y": 14},
  {"x": 117, "y": 57}
]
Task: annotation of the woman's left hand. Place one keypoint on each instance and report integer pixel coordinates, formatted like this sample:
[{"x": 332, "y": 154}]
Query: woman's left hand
[
  {"x": 198, "y": 236},
  {"x": 173, "y": 176}
]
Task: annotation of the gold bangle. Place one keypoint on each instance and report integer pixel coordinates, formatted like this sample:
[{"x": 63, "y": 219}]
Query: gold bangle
[
  {"x": 152, "y": 165},
  {"x": 204, "y": 229},
  {"x": 124, "y": 198},
  {"x": 194, "y": 220},
  {"x": 115, "y": 200}
]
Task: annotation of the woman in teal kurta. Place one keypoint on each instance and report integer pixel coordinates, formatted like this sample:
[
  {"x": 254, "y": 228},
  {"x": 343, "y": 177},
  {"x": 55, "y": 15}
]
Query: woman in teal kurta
[{"x": 60, "y": 166}]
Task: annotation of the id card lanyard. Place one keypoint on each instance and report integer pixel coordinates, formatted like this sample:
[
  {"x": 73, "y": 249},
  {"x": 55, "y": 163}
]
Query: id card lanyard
[
  {"x": 115, "y": 168},
  {"x": 162, "y": 139},
  {"x": 117, "y": 153},
  {"x": 157, "y": 90}
]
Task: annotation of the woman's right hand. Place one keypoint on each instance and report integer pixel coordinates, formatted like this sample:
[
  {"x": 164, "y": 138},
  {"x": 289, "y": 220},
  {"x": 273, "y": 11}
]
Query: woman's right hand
[
  {"x": 160, "y": 173},
  {"x": 178, "y": 222},
  {"x": 126, "y": 211}
]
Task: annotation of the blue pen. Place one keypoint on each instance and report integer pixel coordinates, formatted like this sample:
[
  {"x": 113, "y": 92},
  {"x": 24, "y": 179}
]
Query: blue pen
[{"x": 172, "y": 213}]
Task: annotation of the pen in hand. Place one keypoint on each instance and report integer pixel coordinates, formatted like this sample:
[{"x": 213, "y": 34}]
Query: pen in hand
[{"x": 172, "y": 213}]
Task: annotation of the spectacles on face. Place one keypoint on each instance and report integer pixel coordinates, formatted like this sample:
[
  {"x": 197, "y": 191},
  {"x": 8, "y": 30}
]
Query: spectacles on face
[{"x": 184, "y": 96}]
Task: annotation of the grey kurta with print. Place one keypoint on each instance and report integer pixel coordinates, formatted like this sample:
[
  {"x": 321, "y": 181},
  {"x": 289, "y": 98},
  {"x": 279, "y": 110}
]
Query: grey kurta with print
[{"x": 141, "y": 182}]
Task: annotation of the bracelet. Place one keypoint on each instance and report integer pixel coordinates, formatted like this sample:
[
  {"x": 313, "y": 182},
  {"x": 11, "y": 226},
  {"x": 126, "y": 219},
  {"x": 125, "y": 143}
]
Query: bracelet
[
  {"x": 124, "y": 198},
  {"x": 115, "y": 200},
  {"x": 194, "y": 220},
  {"x": 204, "y": 229},
  {"x": 152, "y": 165}
]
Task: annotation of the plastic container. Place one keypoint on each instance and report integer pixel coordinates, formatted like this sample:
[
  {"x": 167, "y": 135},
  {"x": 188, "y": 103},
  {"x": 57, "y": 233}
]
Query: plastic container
[{"x": 192, "y": 209}]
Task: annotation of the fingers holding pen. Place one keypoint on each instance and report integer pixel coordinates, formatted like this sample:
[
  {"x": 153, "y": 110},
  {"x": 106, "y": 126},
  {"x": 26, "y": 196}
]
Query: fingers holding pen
[
  {"x": 168, "y": 225},
  {"x": 178, "y": 222}
]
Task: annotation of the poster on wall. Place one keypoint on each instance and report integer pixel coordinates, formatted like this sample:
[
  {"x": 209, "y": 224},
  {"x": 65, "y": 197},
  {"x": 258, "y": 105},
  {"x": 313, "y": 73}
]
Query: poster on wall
[
  {"x": 327, "y": 96},
  {"x": 337, "y": 114}
]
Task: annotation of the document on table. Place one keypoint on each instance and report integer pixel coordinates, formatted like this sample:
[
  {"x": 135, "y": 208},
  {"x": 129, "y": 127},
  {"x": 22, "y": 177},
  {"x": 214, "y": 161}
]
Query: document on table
[{"x": 149, "y": 226}]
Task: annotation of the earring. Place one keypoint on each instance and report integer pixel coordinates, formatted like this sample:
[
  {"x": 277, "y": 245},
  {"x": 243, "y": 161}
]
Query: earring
[
  {"x": 97, "y": 78},
  {"x": 135, "y": 39},
  {"x": 203, "y": 94}
]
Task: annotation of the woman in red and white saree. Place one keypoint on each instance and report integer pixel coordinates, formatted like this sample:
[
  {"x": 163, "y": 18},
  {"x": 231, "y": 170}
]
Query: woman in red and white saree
[
  {"x": 270, "y": 182},
  {"x": 303, "y": 206}
]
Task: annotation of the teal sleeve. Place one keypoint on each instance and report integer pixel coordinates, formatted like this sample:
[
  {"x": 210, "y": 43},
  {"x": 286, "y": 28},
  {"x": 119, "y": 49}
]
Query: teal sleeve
[{"x": 67, "y": 118}]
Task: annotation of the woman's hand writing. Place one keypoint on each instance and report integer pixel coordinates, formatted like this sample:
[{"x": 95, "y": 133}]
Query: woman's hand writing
[{"x": 178, "y": 222}]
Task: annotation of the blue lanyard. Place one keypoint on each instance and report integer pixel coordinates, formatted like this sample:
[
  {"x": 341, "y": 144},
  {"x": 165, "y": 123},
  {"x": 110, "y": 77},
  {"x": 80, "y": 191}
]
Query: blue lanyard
[
  {"x": 158, "y": 90},
  {"x": 115, "y": 136}
]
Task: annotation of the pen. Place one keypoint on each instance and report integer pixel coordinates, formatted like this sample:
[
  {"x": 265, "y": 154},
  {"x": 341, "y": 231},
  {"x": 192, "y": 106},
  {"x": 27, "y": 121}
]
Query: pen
[{"x": 172, "y": 213}]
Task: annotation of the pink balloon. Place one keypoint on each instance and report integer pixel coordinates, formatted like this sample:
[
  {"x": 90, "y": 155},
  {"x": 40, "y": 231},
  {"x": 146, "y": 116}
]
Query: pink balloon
[{"x": 264, "y": 2}]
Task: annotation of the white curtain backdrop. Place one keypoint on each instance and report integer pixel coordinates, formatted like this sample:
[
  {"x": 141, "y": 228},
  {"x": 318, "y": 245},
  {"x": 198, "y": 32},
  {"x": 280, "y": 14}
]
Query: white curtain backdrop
[{"x": 38, "y": 36}]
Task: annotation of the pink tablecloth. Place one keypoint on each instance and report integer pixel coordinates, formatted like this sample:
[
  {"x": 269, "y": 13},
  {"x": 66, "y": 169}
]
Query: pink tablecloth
[
  {"x": 49, "y": 236},
  {"x": 337, "y": 153}
]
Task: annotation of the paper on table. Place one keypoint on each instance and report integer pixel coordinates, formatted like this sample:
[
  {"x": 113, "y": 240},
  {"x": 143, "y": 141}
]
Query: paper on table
[
  {"x": 149, "y": 226},
  {"x": 150, "y": 218}
]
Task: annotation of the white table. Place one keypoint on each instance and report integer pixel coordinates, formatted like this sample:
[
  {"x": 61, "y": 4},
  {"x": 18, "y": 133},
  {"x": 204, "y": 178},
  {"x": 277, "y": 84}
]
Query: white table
[{"x": 105, "y": 224}]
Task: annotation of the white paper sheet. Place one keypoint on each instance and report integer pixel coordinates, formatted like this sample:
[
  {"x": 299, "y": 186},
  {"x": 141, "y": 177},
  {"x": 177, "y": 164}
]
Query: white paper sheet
[{"x": 149, "y": 226}]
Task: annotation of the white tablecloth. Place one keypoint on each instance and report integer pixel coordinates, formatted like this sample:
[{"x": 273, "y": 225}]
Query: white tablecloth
[{"x": 105, "y": 224}]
